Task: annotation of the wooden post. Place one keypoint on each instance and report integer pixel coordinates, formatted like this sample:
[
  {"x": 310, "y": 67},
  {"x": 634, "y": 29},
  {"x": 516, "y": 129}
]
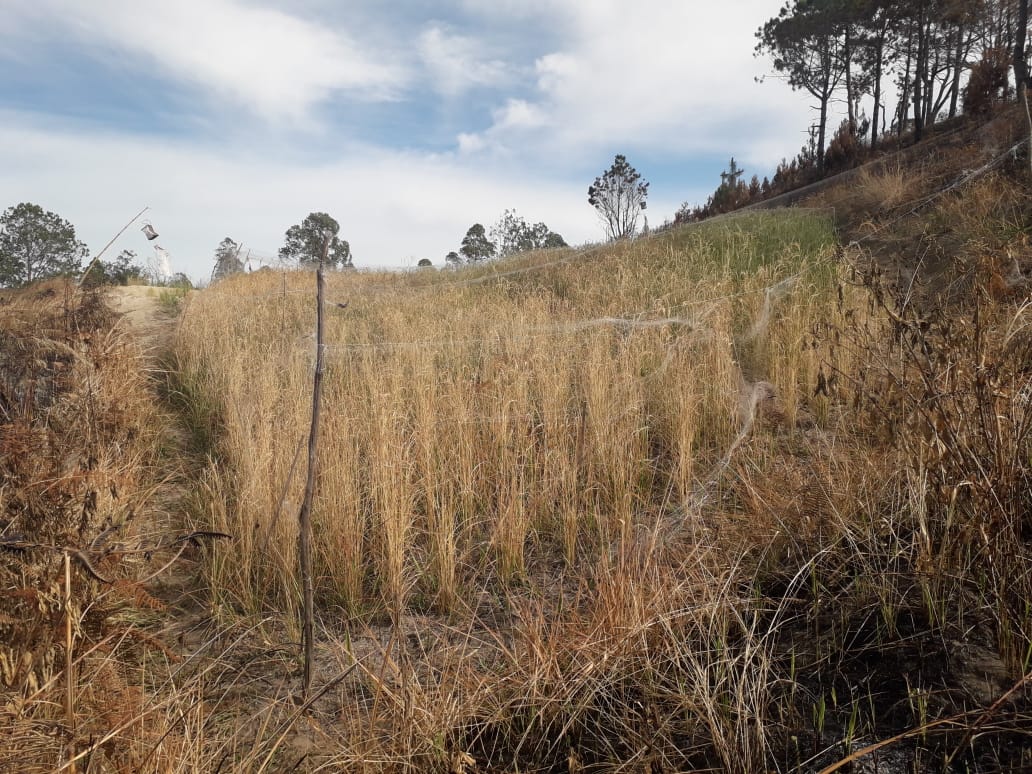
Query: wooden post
[
  {"x": 69, "y": 663},
  {"x": 305, "y": 518},
  {"x": 283, "y": 308}
]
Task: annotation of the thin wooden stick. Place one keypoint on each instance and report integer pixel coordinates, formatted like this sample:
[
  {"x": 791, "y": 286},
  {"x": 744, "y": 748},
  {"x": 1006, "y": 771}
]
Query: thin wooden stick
[
  {"x": 971, "y": 729},
  {"x": 305, "y": 519},
  {"x": 69, "y": 663},
  {"x": 891, "y": 740},
  {"x": 283, "y": 495},
  {"x": 104, "y": 249}
]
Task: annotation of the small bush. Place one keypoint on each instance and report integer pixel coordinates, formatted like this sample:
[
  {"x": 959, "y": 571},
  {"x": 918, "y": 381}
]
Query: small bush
[
  {"x": 847, "y": 148},
  {"x": 988, "y": 84}
]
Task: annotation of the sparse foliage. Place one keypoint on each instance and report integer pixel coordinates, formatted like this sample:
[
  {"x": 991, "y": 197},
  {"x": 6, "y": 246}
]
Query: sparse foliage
[
  {"x": 841, "y": 50},
  {"x": 475, "y": 245},
  {"x": 553, "y": 241},
  {"x": 512, "y": 234},
  {"x": 988, "y": 83},
  {"x": 619, "y": 196},
  {"x": 304, "y": 243},
  {"x": 847, "y": 147},
  {"x": 179, "y": 280},
  {"x": 803, "y": 40},
  {"x": 36, "y": 244},
  {"x": 121, "y": 271},
  {"x": 125, "y": 269},
  {"x": 227, "y": 259},
  {"x": 731, "y": 194}
]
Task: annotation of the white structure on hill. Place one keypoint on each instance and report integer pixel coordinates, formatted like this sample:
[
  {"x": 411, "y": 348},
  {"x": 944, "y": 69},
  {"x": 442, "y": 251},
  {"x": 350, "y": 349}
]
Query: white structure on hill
[{"x": 160, "y": 265}]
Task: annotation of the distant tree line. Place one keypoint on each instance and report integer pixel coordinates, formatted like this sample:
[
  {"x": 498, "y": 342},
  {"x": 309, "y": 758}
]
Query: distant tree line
[
  {"x": 302, "y": 246},
  {"x": 618, "y": 195},
  {"x": 511, "y": 234}
]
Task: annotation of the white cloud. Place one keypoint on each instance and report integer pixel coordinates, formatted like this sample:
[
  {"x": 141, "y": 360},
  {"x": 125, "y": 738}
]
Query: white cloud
[
  {"x": 560, "y": 84},
  {"x": 391, "y": 205},
  {"x": 554, "y": 71},
  {"x": 675, "y": 77},
  {"x": 471, "y": 142},
  {"x": 503, "y": 139},
  {"x": 556, "y": 10},
  {"x": 457, "y": 63},
  {"x": 266, "y": 60},
  {"x": 520, "y": 114}
]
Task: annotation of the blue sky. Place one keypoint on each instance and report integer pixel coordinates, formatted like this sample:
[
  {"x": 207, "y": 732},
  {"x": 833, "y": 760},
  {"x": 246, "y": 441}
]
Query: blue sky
[{"x": 407, "y": 121}]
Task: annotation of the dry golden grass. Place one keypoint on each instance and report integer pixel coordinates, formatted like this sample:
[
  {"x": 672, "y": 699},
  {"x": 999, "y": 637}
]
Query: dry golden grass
[
  {"x": 79, "y": 442},
  {"x": 643, "y": 507},
  {"x": 475, "y": 423},
  {"x": 634, "y": 507},
  {"x": 877, "y": 191},
  {"x": 538, "y": 471}
]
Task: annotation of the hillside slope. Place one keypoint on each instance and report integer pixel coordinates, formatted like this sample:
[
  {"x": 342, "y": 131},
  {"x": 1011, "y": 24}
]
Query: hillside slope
[
  {"x": 729, "y": 497},
  {"x": 88, "y": 538},
  {"x": 748, "y": 495}
]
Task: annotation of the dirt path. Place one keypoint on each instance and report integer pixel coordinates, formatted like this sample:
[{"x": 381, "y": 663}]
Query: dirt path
[
  {"x": 141, "y": 309},
  {"x": 152, "y": 322},
  {"x": 189, "y": 626}
]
